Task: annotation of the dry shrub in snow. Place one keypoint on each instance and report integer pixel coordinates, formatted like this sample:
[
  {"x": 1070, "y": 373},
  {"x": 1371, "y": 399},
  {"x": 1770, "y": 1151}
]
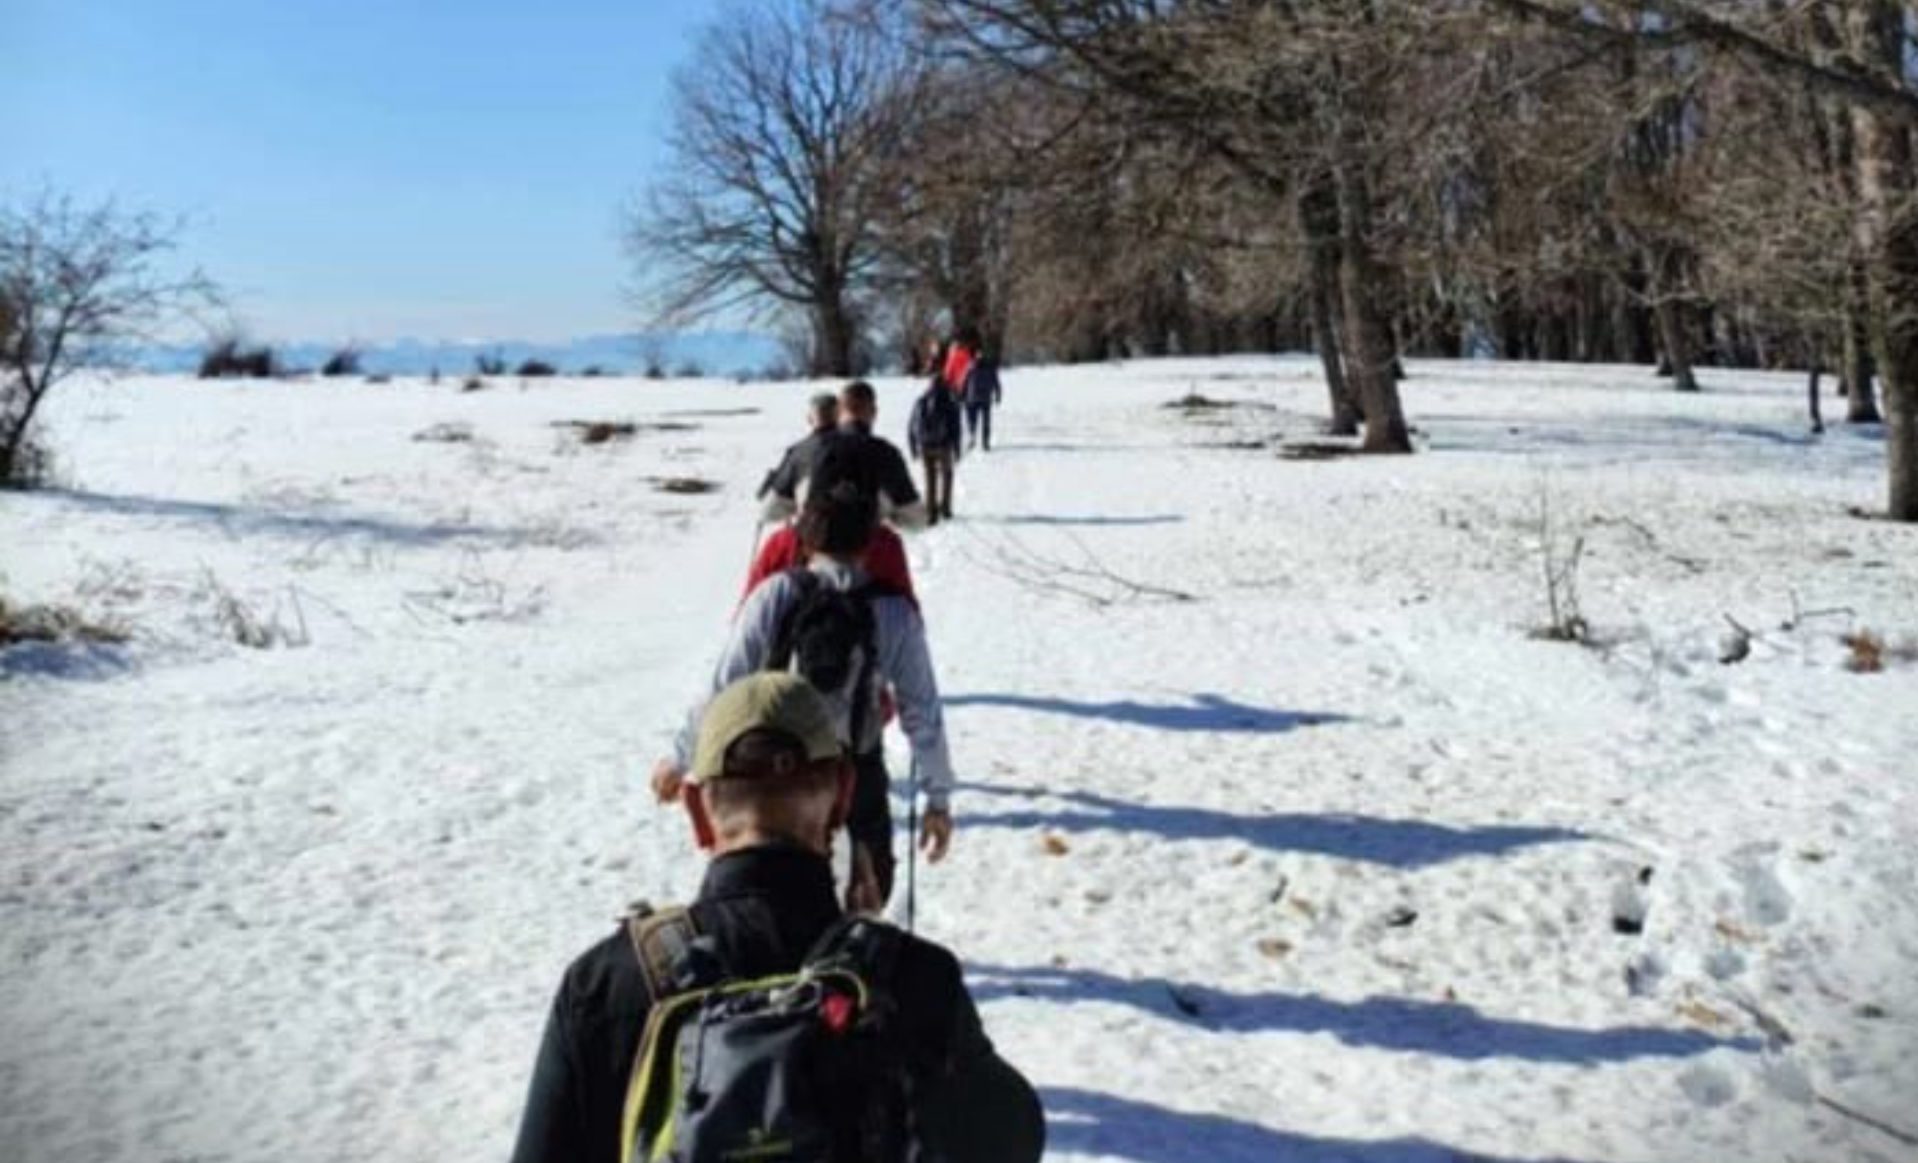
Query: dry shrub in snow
[
  {"x": 231, "y": 358},
  {"x": 1559, "y": 556},
  {"x": 49, "y": 623},
  {"x": 1195, "y": 402},
  {"x": 343, "y": 362},
  {"x": 1316, "y": 450},
  {"x": 1867, "y": 652},
  {"x": 448, "y": 432},
  {"x": 246, "y": 625},
  {"x": 685, "y": 486},
  {"x": 476, "y": 595},
  {"x": 600, "y": 431},
  {"x": 1870, "y": 653}
]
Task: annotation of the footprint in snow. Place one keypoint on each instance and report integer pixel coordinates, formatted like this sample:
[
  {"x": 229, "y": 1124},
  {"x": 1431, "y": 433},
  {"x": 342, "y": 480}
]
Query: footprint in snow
[{"x": 1708, "y": 1085}]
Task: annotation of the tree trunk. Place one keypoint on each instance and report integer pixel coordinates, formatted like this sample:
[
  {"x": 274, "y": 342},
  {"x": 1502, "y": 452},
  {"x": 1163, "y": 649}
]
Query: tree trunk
[
  {"x": 1888, "y": 230},
  {"x": 10, "y": 445},
  {"x": 1368, "y": 349},
  {"x": 18, "y": 403},
  {"x": 1861, "y": 402},
  {"x": 1674, "y": 331},
  {"x": 1635, "y": 320},
  {"x": 1811, "y": 398},
  {"x": 1511, "y": 320},
  {"x": 835, "y": 338},
  {"x": 1319, "y": 219}
]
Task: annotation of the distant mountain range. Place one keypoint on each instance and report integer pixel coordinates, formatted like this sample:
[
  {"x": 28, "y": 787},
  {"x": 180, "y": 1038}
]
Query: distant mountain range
[{"x": 711, "y": 352}]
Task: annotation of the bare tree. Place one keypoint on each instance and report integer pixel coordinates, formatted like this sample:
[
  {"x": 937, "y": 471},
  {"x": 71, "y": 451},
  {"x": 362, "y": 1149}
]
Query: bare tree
[
  {"x": 1293, "y": 98},
  {"x": 783, "y": 130},
  {"x": 78, "y": 285},
  {"x": 1855, "y": 56}
]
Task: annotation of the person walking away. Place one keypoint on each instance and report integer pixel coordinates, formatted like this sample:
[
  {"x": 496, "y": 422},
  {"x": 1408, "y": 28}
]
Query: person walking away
[
  {"x": 875, "y": 463},
  {"x": 934, "y": 437},
  {"x": 832, "y": 624},
  {"x": 982, "y": 393},
  {"x": 933, "y": 361},
  {"x": 795, "y": 465},
  {"x": 770, "y": 791},
  {"x": 957, "y": 363}
]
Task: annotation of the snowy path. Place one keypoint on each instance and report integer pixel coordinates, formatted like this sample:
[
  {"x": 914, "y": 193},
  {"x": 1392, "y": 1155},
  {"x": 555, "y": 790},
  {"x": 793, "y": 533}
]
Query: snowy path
[{"x": 1319, "y": 865}]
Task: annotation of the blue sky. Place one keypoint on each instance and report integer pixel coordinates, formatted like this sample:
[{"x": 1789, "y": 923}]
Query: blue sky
[{"x": 363, "y": 169}]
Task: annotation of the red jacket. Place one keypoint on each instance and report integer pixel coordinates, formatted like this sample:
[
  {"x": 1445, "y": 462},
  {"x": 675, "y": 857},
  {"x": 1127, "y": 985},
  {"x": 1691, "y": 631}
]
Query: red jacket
[
  {"x": 885, "y": 560},
  {"x": 958, "y": 365}
]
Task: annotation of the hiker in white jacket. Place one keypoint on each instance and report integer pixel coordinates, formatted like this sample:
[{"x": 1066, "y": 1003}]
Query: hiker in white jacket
[{"x": 834, "y": 527}]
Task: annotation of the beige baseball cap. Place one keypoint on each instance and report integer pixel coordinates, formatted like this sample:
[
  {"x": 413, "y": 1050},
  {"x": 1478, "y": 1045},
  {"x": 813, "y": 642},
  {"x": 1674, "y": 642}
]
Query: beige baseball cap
[{"x": 767, "y": 701}]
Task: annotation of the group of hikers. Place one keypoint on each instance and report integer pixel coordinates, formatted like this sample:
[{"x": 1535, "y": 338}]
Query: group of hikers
[
  {"x": 777, "y": 1017},
  {"x": 965, "y": 381}
]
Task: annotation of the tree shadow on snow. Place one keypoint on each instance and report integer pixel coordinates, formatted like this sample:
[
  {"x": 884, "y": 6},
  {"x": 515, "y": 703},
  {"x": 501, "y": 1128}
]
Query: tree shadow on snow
[
  {"x": 73, "y": 661},
  {"x": 1441, "y": 1029},
  {"x": 1396, "y": 843},
  {"x": 1088, "y": 1122},
  {"x": 1000, "y": 447},
  {"x": 1086, "y": 519},
  {"x": 246, "y": 519},
  {"x": 1654, "y": 436},
  {"x": 1206, "y": 712}
]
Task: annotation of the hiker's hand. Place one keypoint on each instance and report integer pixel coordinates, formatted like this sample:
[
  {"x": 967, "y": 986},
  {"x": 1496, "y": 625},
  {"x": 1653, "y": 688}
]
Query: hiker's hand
[
  {"x": 935, "y": 834},
  {"x": 862, "y": 890},
  {"x": 667, "y": 780}
]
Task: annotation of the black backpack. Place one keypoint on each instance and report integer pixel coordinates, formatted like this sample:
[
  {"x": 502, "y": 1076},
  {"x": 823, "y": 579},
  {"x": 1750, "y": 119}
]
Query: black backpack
[
  {"x": 800, "y": 1067},
  {"x": 936, "y": 419},
  {"x": 828, "y": 637}
]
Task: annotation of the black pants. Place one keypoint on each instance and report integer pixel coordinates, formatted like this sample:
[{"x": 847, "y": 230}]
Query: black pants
[
  {"x": 979, "y": 424},
  {"x": 871, "y": 822},
  {"x": 938, "y": 482}
]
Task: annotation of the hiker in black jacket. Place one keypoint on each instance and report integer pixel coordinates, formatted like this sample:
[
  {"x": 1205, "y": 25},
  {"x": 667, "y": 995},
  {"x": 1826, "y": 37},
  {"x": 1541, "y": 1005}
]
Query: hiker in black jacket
[
  {"x": 934, "y": 437},
  {"x": 882, "y": 471},
  {"x": 822, "y": 422},
  {"x": 770, "y": 790}
]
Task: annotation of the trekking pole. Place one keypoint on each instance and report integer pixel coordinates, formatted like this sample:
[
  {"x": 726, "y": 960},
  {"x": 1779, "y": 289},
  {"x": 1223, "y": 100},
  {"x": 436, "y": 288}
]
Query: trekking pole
[{"x": 912, "y": 845}]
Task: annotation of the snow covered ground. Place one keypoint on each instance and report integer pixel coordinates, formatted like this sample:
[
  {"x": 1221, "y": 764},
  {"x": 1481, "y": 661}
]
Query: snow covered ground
[{"x": 1320, "y": 864}]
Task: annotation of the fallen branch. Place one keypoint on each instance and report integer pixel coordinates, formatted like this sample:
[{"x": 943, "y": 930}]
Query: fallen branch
[
  {"x": 1800, "y": 616},
  {"x": 1091, "y": 581},
  {"x": 1879, "y": 1125}
]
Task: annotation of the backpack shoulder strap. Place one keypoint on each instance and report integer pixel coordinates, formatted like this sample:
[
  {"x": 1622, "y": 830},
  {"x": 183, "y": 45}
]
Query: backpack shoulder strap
[
  {"x": 862, "y": 596},
  {"x": 662, "y": 940},
  {"x": 805, "y": 583},
  {"x": 871, "y": 590},
  {"x": 869, "y": 947}
]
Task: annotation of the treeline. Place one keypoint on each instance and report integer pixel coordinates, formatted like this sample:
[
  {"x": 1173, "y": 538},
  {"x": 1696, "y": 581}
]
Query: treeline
[
  {"x": 1673, "y": 184},
  {"x": 233, "y": 357}
]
